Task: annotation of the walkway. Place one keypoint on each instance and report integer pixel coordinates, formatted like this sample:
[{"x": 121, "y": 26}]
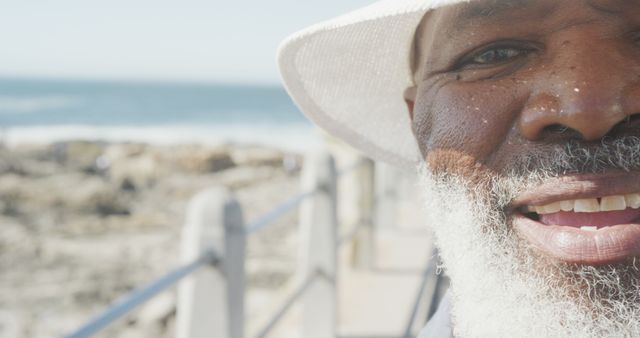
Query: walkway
[{"x": 378, "y": 302}]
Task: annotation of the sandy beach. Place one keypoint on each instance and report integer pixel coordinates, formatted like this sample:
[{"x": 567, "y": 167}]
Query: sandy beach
[{"x": 83, "y": 223}]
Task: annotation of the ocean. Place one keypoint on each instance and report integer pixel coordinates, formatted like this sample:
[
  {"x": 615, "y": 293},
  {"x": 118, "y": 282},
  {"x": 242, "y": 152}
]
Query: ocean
[{"x": 42, "y": 111}]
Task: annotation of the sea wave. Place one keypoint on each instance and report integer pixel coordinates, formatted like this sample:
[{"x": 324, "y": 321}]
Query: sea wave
[
  {"x": 291, "y": 137},
  {"x": 30, "y": 104}
]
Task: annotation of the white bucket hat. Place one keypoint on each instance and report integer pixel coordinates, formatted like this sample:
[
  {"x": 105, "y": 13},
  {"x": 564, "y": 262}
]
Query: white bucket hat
[{"x": 348, "y": 75}]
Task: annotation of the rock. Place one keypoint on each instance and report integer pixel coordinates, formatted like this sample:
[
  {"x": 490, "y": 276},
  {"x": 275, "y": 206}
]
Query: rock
[
  {"x": 67, "y": 193},
  {"x": 245, "y": 176},
  {"x": 27, "y": 161},
  {"x": 199, "y": 160},
  {"x": 94, "y": 195},
  {"x": 70, "y": 193},
  {"x": 256, "y": 156},
  {"x": 38, "y": 152},
  {"x": 134, "y": 172},
  {"x": 15, "y": 240},
  {"x": 80, "y": 154},
  {"x": 11, "y": 194},
  {"x": 127, "y": 185},
  {"x": 10, "y": 164},
  {"x": 131, "y": 166},
  {"x": 71, "y": 248}
]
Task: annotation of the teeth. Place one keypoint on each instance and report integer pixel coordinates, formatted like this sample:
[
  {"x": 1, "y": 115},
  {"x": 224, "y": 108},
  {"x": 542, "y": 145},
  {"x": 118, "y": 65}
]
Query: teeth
[
  {"x": 613, "y": 203},
  {"x": 549, "y": 208},
  {"x": 632, "y": 200},
  {"x": 586, "y": 205},
  {"x": 567, "y": 205},
  {"x": 589, "y": 229},
  {"x": 607, "y": 203}
]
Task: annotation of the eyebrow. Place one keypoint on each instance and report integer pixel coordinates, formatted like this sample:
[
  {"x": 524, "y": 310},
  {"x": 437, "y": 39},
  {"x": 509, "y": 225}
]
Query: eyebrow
[
  {"x": 609, "y": 10},
  {"x": 487, "y": 9},
  {"x": 491, "y": 8}
]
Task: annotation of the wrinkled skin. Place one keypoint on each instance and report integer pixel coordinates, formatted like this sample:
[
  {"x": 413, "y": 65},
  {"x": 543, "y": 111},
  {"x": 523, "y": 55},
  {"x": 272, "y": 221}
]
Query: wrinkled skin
[
  {"x": 499, "y": 79},
  {"x": 522, "y": 75}
]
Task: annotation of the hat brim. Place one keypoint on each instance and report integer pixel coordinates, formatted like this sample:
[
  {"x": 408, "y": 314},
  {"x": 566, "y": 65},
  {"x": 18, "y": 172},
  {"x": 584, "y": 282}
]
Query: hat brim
[{"x": 348, "y": 76}]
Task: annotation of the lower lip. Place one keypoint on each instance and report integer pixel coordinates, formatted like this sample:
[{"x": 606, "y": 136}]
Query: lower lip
[{"x": 571, "y": 245}]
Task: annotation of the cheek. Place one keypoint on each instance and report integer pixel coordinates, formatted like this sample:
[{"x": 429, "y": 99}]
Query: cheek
[{"x": 467, "y": 121}]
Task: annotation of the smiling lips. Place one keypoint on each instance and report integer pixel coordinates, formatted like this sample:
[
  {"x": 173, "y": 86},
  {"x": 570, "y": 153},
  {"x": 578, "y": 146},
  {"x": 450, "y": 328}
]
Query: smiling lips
[
  {"x": 589, "y": 220},
  {"x": 590, "y": 214}
]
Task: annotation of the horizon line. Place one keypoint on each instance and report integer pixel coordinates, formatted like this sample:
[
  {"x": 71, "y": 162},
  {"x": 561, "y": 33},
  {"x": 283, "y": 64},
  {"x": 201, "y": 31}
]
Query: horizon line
[{"x": 142, "y": 81}]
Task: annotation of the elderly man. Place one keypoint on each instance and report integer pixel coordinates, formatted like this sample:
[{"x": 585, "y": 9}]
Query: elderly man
[{"x": 522, "y": 122}]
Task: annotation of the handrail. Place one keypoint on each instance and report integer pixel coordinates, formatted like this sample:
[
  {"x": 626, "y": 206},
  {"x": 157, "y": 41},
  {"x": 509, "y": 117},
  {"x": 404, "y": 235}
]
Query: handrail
[
  {"x": 134, "y": 299},
  {"x": 286, "y": 305},
  {"x": 139, "y": 296},
  {"x": 292, "y": 203},
  {"x": 423, "y": 286},
  {"x": 278, "y": 211}
]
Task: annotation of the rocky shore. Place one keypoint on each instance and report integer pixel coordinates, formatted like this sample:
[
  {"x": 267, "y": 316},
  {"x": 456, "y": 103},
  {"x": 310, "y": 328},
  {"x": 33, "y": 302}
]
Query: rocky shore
[{"x": 83, "y": 223}]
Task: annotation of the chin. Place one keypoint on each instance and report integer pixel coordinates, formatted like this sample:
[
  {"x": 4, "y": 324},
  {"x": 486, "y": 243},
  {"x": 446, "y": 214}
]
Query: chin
[{"x": 502, "y": 285}]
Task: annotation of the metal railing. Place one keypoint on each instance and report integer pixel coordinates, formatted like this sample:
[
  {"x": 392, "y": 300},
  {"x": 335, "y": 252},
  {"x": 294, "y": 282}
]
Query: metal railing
[
  {"x": 287, "y": 304},
  {"x": 136, "y": 298},
  {"x": 211, "y": 302}
]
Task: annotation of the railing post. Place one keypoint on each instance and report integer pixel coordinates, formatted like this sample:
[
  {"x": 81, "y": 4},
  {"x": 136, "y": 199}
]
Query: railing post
[
  {"x": 386, "y": 200},
  {"x": 211, "y": 302},
  {"x": 318, "y": 228},
  {"x": 364, "y": 245}
]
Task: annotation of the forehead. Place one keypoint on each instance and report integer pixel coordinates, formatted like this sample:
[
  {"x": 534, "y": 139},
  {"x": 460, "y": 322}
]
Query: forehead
[
  {"x": 458, "y": 17},
  {"x": 450, "y": 28}
]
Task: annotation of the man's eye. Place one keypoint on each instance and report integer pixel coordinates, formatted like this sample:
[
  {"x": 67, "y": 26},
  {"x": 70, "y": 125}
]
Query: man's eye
[{"x": 496, "y": 55}]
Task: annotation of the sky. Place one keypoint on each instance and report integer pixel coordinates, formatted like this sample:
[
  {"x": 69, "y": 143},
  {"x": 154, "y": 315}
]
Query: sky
[{"x": 173, "y": 40}]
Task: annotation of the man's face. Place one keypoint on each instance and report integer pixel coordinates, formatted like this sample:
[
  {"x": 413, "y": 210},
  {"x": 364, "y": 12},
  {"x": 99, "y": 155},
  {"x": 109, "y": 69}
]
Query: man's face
[{"x": 526, "y": 115}]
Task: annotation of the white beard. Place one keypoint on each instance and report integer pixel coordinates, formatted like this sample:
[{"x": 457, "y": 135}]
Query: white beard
[{"x": 500, "y": 288}]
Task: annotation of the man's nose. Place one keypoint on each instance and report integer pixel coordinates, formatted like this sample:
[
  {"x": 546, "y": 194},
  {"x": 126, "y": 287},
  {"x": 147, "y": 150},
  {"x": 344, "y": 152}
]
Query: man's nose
[{"x": 587, "y": 90}]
